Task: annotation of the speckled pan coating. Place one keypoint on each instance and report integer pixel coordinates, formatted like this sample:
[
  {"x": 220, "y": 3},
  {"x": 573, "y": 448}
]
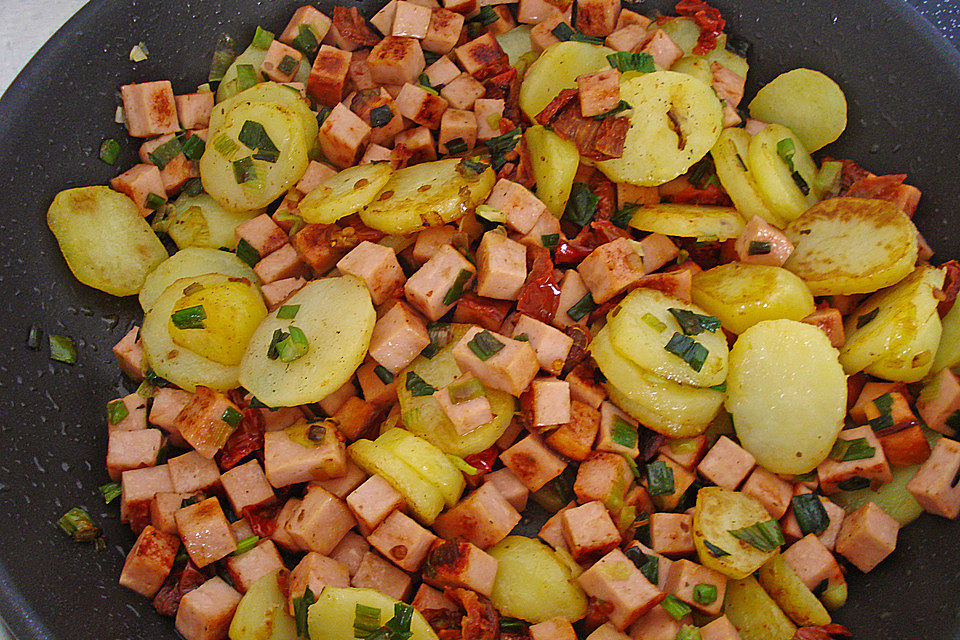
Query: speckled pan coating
[{"x": 901, "y": 77}]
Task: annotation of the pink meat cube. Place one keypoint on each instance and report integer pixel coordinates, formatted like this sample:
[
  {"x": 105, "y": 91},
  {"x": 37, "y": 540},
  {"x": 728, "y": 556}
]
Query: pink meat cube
[
  {"x": 504, "y": 21},
  {"x": 376, "y": 153},
  {"x": 663, "y": 49},
  {"x": 307, "y": 17},
  {"x": 483, "y": 518},
  {"x": 138, "y": 183},
  {"x": 463, "y": 91},
  {"x": 551, "y": 345},
  {"x": 657, "y": 250},
  {"x": 138, "y": 486},
  {"x": 356, "y": 417},
  {"x": 314, "y": 176},
  {"x": 342, "y": 135},
  {"x": 762, "y": 243},
  {"x": 727, "y": 464},
  {"x": 520, "y": 207},
  {"x": 377, "y": 266},
  {"x": 383, "y": 19},
  {"x": 167, "y": 405},
  {"x": 511, "y": 368},
  {"x": 385, "y": 132},
  {"x": 321, "y": 521},
  {"x": 541, "y": 35},
  {"x": 552, "y": 530},
  {"x": 283, "y": 263},
  {"x": 772, "y": 492},
  {"x": 553, "y": 629},
  {"x": 376, "y": 573},
  {"x": 502, "y": 267},
  {"x": 207, "y": 421},
  {"x": 612, "y": 268},
  {"x": 443, "y": 31},
  {"x": 430, "y": 240},
  {"x": 398, "y": 337},
  {"x": 332, "y": 403},
  {"x": 572, "y": 291},
  {"x": 508, "y": 484},
  {"x": 686, "y": 452},
  {"x": 537, "y": 11},
  {"x": 628, "y": 17},
  {"x": 607, "y": 631},
  {"x": 410, "y": 20},
  {"x": 575, "y": 438},
  {"x": 933, "y": 485},
  {"x": 685, "y": 576},
  {"x": 583, "y": 387},
  {"x": 658, "y": 624},
  {"x": 457, "y": 126},
  {"x": 418, "y": 143},
  {"x": 303, "y": 452},
  {"x": 589, "y": 531},
  {"x": 615, "y": 580},
  {"x": 546, "y": 225},
  {"x": 458, "y": 403},
  {"x": 375, "y": 388},
  {"x": 719, "y": 629},
  {"x": 400, "y": 539},
  {"x": 281, "y": 62},
  {"x": 548, "y": 399},
  {"x": 262, "y": 233},
  {"x": 599, "y": 91},
  {"x": 672, "y": 534},
  {"x": 867, "y": 536},
  {"x": 429, "y": 599},
  {"x": 372, "y": 502},
  {"x": 831, "y": 322},
  {"x": 193, "y": 109},
  {"x": 277, "y": 292},
  {"x": 488, "y": 112},
  {"x": 129, "y": 354},
  {"x": 345, "y": 484},
  {"x": 350, "y": 552},
  {"x": 315, "y": 572},
  {"x": 429, "y": 289},
  {"x": 280, "y": 535},
  {"x": 460, "y": 565},
  {"x": 832, "y": 473},
  {"x": 533, "y": 462},
  {"x": 358, "y": 75},
  {"x": 663, "y": 563},
  {"x": 247, "y": 486},
  {"x": 421, "y": 106},
  {"x": 328, "y": 75},
  {"x": 396, "y": 60},
  {"x": 136, "y": 413},
  {"x": 250, "y": 566},
  {"x": 442, "y": 71},
  {"x": 205, "y": 532},
  {"x": 149, "y": 108},
  {"x": 604, "y": 477},
  {"x": 618, "y": 432},
  {"x": 149, "y": 562},
  {"x": 597, "y": 18},
  {"x": 162, "y": 510},
  {"x": 479, "y": 53},
  {"x": 729, "y": 87},
  {"x": 627, "y": 38},
  {"x": 813, "y": 562},
  {"x": 206, "y": 612},
  {"x": 941, "y": 402},
  {"x": 132, "y": 450}
]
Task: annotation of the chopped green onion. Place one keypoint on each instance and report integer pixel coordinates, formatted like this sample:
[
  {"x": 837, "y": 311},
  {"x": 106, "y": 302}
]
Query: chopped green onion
[
  {"x": 581, "y": 206},
  {"x": 622, "y": 217},
  {"x": 455, "y": 292},
  {"x": 380, "y": 116},
  {"x": 294, "y": 346},
  {"x": 704, "y": 174},
  {"x": 660, "y": 480},
  {"x": 440, "y": 336},
  {"x": 189, "y": 318},
  {"x": 316, "y": 433},
  {"x": 677, "y": 609},
  {"x": 867, "y": 318},
  {"x": 694, "y": 323},
  {"x": 385, "y": 375},
  {"x": 288, "y": 217},
  {"x": 484, "y": 345},
  {"x": 625, "y": 61},
  {"x": 262, "y": 39},
  {"x": 714, "y": 550},
  {"x": 247, "y": 253},
  {"x": 306, "y": 41},
  {"x": 465, "y": 391},
  {"x": 279, "y": 335},
  {"x": 722, "y": 387},
  {"x": 564, "y": 32},
  {"x": 550, "y": 240},
  {"x": 884, "y": 403},
  {"x": 366, "y": 620},
  {"x": 786, "y": 151},
  {"x": 853, "y": 484},
  {"x": 487, "y": 16},
  {"x": 193, "y": 147},
  {"x": 623, "y": 433},
  {"x": 152, "y": 377},
  {"x": 244, "y": 170},
  {"x": 246, "y": 76},
  {"x": 424, "y": 81},
  {"x": 139, "y": 53},
  {"x": 62, "y": 349},
  {"x": 225, "y": 146},
  {"x": 881, "y": 422},
  {"x": 417, "y": 386},
  {"x": 653, "y": 322},
  {"x": 522, "y": 338},
  {"x": 430, "y": 57},
  {"x": 763, "y": 536},
  {"x": 246, "y": 544},
  {"x": 223, "y": 57},
  {"x": 849, "y": 450},
  {"x": 110, "y": 491},
  {"x": 300, "y": 607},
  {"x": 109, "y": 150},
  {"x": 500, "y": 146},
  {"x": 584, "y": 306},
  {"x": 455, "y": 146},
  {"x": 254, "y": 137},
  {"x": 800, "y": 182},
  {"x": 322, "y": 114},
  {"x": 117, "y": 411},
  {"x": 231, "y": 416},
  {"x": 476, "y": 168},
  {"x": 154, "y": 201},
  {"x": 77, "y": 524},
  {"x": 510, "y": 624},
  {"x": 689, "y": 632},
  {"x": 705, "y": 593},
  {"x": 33, "y": 337},
  {"x": 648, "y": 564},
  {"x": 162, "y": 155},
  {"x": 810, "y": 514},
  {"x": 758, "y": 248},
  {"x": 688, "y": 349},
  {"x": 463, "y": 465},
  {"x": 620, "y": 108},
  {"x": 288, "y": 311}
]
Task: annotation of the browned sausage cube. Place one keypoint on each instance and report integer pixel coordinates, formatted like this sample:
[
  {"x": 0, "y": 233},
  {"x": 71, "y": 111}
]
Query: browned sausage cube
[
  {"x": 398, "y": 337},
  {"x": 376, "y": 573},
  {"x": 458, "y": 131},
  {"x": 575, "y": 439},
  {"x": 479, "y": 53},
  {"x": 321, "y": 521},
  {"x": 463, "y": 91},
  {"x": 138, "y": 183},
  {"x": 421, "y": 106},
  {"x": 553, "y": 629},
  {"x": 136, "y": 413},
  {"x": 190, "y": 472},
  {"x": 605, "y": 477},
  {"x": 483, "y": 518},
  {"x": 281, "y": 62},
  {"x": 867, "y": 536},
  {"x": 341, "y": 136},
  {"x": 533, "y": 462},
  {"x": 460, "y": 564},
  {"x": 726, "y": 464},
  {"x": 207, "y": 421},
  {"x": 205, "y": 532},
  {"x": 262, "y": 233},
  {"x": 350, "y": 552},
  {"x": 597, "y": 18},
  {"x": 193, "y": 109},
  {"x": 248, "y": 567},
  {"x": 205, "y": 613},
  {"x": 372, "y": 502},
  {"x": 589, "y": 531},
  {"x": 132, "y": 450},
  {"x": 138, "y": 486},
  {"x": 302, "y": 452},
  {"x": 443, "y": 31},
  {"x": 933, "y": 485},
  {"x": 672, "y": 534},
  {"x": 615, "y": 580},
  {"x": 875, "y": 468},
  {"x": 683, "y": 579},
  {"x": 377, "y": 266},
  {"x": 315, "y": 572},
  {"x": 149, "y": 108},
  {"x": 149, "y": 562},
  {"x": 396, "y": 60},
  {"x": 247, "y": 486},
  {"x": 410, "y": 20},
  {"x": 328, "y": 75},
  {"x": 429, "y": 289},
  {"x": 400, "y": 539}
]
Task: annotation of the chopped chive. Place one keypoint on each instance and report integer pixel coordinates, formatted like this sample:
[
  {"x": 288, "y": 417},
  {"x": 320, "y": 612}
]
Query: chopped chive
[
  {"x": 660, "y": 480},
  {"x": 510, "y": 624},
  {"x": 109, "y": 150},
  {"x": 867, "y": 318},
  {"x": 522, "y": 338},
  {"x": 279, "y": 336},
  {"x": 620, "y": 108},
  {"x": 689, "y": 632},
  {"x": 424, "y": 82},
  {"x": 246, "y": 544},
  {"x": 223, "y": 57},
  {"x": 262, "y": 39},
  {"x": 110, "y": 491},
  {"x": 385, "y": 375},
  {"x": 418, "y": 387},
  {"x": 244, "y": 170},
  {"x": 455, "y": 292},
  {"x": 853, "y": 484},
  {"x": 465, "y": 391},
  {"x": 758, "y": 248},
  {"x": 246, "y": 76},
  {"x": 623, "y": 433},
  {"x": 581, "y": 206},
  {"x": 288, "y": 311},
  {"x": 225, "y": 146},
  {"x": 487, "y": 16},
  {"x": 648, "y": 564},
  {"x": 231, "y": 416},
  {"x": 625, "y": 61},
  {"x": 294, "y": 346},
  {"x": 316, "y": 433},
  {"x": 247, "y": 253},
  {"x": 366, "y": 620},
  {"x": 193, "y": 147},
  {"x": 763, "y": 536},
  {"x": 254, "y": 137},
  {"x": 694, "y": 323},
  {"x": 300, "y": 607},
  {"x": 380, "y": 116},
  {"x": 189, "y": 318},
  {"x": 705, "y": 593},
  {"x": 584, "y": 306},
  {"x": 162, "y": 155},
  {"x": 800, "y": 182},
  {"x": 430, "y": 57},
  {"x": 33, "y": 337},
  {"x": 484, "y": 345},
  {"x": 117, "y": 411},
  {"x": 850, "y": 450},
  {"x": 622, "y": 217},
  {"x": 154, "y": 201},
  {"x": 455, "y": 146},
  {"x": 322, "y": 114},
  {"x": 881, "y": 422},
  {"x": 502, "y": 145},
  {"x": 152, "y": 377},
  {"x": 883, "y": 403},
  {"x": 714, "y": 550},
  {"x": 306, "y": 41},
  {"x": 475, "y": 168},
  {"x": 256, "y": 403},
  {"x": 810, "y": 514},
  {"x": 63, "y": 349},
  {"x": 653, "y": 322},
  {"x": 688, "y": 349},
  {"x": 677, "y": 609},
  {"x": 722, "y": 387},
  {"x": 786, "y": 151},
  {"x": 440, "y": 336},
  {"x": 77, "y": 524}
]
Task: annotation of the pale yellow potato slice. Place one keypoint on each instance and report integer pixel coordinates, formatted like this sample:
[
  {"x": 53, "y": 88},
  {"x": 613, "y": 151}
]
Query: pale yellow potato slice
[
  {"x": 106, "y": 242},
  {"x": 427, "y": 460},
  {"x": 730, "y": 155},
  {"x": 200, "y": 221},
  {"x": 189, "y": 262},
  {"x": 775, "y": 180},
  {"x": 345, "y": 193},
  {"x": 331, "y": 616},
  {"x": 674, "y": 121},
  {"x": 807, "y": 102},
  {"x": 717, "y": 513},
  {"x": 689, "y": 220},
  {"x": 790, "y": 593},
  {"x": 262, "y": 613},
  {"x": 948, "y": 351},
  {"x": 851, "y": 245},
  {"x": 781, "y": 368},
  {"x": 754, "y": 613},
  {"x": 555, "y": 163},
  {"x": 337, "y": 318},
  {"x": 914, "y": 360},
  {"x": 422, "y": 497},
  {"x": 270, "y": 92},
  {"x": 557, "y": 69}
]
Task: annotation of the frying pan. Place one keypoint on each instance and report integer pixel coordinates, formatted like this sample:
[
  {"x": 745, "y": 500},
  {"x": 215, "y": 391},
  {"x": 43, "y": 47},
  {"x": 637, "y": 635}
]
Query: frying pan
[{"x": 901, "y": 78}]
